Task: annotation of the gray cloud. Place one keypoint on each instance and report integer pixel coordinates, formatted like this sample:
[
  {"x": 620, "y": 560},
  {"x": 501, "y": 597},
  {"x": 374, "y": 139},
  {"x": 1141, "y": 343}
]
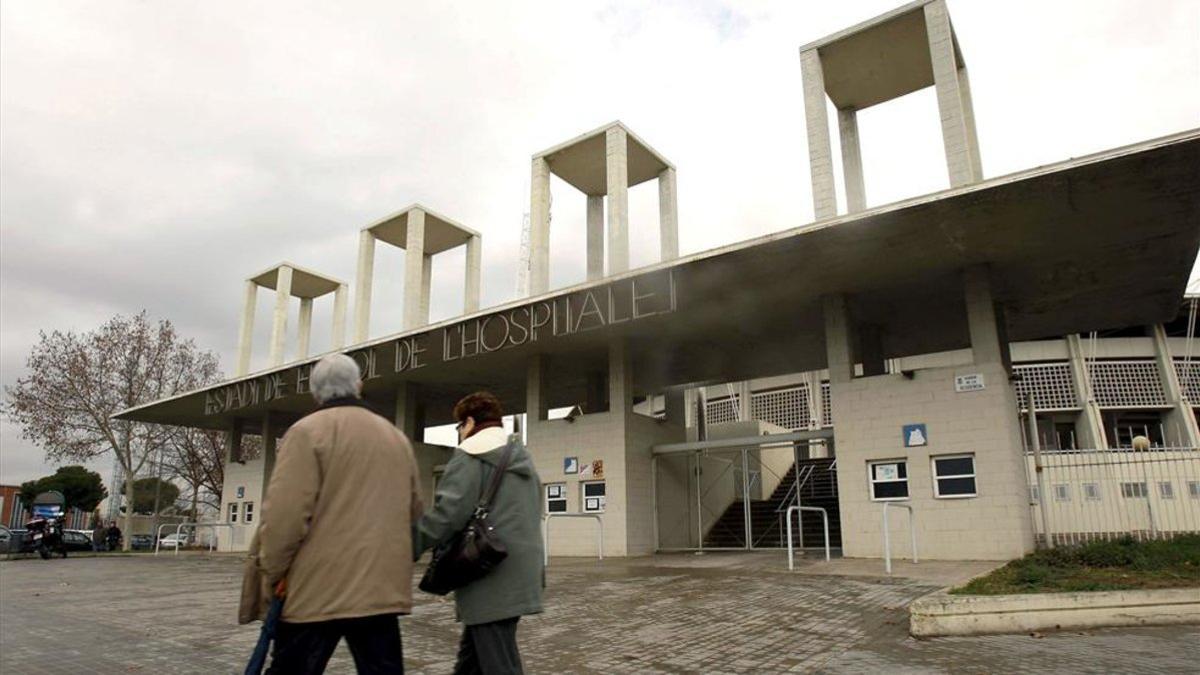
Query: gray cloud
[{"x": 153, "y": 156}]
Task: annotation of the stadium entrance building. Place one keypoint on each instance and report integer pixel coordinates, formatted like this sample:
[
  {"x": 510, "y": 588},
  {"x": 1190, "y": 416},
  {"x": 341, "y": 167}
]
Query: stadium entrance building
[{"x": 871, "y": 352}]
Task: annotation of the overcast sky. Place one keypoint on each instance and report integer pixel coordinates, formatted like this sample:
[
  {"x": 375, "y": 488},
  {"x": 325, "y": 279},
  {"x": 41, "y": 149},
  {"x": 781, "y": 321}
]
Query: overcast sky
[{"x": 153, "y": 155}]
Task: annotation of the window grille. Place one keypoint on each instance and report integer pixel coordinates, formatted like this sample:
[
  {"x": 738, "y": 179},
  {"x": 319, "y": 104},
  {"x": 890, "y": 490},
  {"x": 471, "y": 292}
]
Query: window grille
[
  {"x": 1127, "y": 384},
  {"x": 826, "y": 406},
  {"x": 787, "y": 408},
  {"x": 1051, "y": 384},
  {"x": 721, "y": 410},
  {"x": 1189, "y": 380}
]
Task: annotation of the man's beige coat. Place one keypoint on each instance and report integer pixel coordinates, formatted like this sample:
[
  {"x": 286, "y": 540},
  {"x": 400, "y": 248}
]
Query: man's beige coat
[{"x": 337, "y": 516}]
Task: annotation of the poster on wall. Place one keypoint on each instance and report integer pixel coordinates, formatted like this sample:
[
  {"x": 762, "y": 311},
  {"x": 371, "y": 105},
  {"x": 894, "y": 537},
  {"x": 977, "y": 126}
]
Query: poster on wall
[
  {"x": 598, "y": 469},
  {"x": 915, "y": 435},
  {"x": 570, "y": 465},
  {"x": 585, "y": 471},
  {"x": 886, "y": 472},
  {"x": 241, "y": 492}
]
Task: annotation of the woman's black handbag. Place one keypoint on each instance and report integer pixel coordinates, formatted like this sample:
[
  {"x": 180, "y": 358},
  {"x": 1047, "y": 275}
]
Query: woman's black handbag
[{"x": 473, "y": 552}]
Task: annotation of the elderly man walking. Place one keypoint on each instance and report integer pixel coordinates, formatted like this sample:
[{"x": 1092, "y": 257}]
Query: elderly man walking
[{"x": 334, "y": 538}]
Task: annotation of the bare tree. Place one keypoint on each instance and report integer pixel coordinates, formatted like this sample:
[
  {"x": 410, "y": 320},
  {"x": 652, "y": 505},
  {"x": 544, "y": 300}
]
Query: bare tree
[
  {"x": 78, "y": 381},
  {"x": 197, "y": 457}
]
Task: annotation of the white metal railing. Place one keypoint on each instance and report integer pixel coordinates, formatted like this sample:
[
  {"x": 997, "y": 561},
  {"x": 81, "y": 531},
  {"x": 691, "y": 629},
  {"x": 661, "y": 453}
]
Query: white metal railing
[
  {"x": 179, "y": 530},
  {"x": 546, "y": 532},
  {"x": 887, "y": 538},
  {"x": 825, "y": 521}
]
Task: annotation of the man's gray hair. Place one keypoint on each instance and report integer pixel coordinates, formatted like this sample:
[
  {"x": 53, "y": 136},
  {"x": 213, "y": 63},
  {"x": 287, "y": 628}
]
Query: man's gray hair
[{"x": 335, "y": 376}]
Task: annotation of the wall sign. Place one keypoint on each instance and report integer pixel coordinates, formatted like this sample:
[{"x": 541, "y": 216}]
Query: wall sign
[
  {"x": 570, "y": 465},
  {"x": 915, "y": 435},
  {"x": 241, "y": 492},
  {"x": 594, "y": 470},
  {"x": 970, "y": 382}
]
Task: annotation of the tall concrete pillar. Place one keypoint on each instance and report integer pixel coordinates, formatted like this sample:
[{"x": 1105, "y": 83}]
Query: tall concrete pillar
[
  {"x": 1089, "y": 425},
  {"x": 852, "y": 166},
  {"x": 414, "y": 268},
  {"x": 246, "y": 329},
  {"x": 363, "y": 283},
  {"x": 283, "y": 291},
  {"x": 1180, "y": 421},
  {"x": 745, "y": 401},
  {"x": 839, "y": 346},
  {"x": 813, "y": 380},
  {"x": 539, "y": 227},
  {"x": 617, "y": 160},
  {"x": 985, "y": 331},
  {"x": 595, "y": 237},
  {"x": 595, "y": 395},
  {"x": 961, "y": 155},
  {"x": 964, "y": 88},
  {"x": 426, "y": 288},
  {"x": 668, "y": 215},
  {"x": 537, "y": 405},
  {"x": 820, "y": 155},
  {"x": 304, "y": 328},
  {"x": 471, "y": 283},
  {"x": 339, "y": 316}
]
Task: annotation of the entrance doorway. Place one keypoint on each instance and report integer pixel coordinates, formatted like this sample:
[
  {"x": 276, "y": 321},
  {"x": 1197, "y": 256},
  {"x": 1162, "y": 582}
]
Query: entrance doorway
[{"x": 733, "y": 494}]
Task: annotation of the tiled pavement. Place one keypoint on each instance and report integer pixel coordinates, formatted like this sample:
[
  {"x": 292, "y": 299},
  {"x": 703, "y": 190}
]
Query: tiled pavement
[{"x": 176, "y": 615}]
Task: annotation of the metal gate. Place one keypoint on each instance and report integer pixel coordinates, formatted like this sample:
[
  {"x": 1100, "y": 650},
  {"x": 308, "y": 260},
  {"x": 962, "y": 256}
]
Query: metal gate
[{"x": 733, "y": 494}]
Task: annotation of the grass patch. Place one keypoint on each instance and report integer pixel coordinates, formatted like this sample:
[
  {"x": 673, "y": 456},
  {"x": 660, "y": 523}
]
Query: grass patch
[{"x": 1119, "y": 565}]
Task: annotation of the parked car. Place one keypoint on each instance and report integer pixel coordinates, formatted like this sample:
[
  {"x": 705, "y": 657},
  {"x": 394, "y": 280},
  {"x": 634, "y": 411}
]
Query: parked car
[
  {"x": 77, "y": 540},
  {"x": 141, "y": 542},
  {"x": 174, "y": 540}
]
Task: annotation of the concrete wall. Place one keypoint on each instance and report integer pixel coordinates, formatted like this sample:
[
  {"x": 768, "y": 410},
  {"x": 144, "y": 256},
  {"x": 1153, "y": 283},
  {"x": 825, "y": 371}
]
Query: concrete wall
[
  {"x": 249, "y": 477},
  {"x": 994, "y": 525}
]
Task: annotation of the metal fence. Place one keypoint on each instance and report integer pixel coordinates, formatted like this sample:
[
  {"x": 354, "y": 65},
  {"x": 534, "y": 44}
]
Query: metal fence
[{"x": 1108, "y": 493}]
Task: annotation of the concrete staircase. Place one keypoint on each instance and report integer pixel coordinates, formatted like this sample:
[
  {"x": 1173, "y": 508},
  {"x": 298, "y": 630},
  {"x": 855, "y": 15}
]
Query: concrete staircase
[{"x": 766, "y": 515}]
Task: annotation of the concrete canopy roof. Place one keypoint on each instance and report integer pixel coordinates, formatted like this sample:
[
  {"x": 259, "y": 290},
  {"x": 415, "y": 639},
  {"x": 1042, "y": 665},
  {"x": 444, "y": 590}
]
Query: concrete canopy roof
[
  {"x": 441, "y": 233},
  {"x": 1092, "y": 243},
  {"x": 305, "y": 282},
  {"x": 878, "y": 60},
  {"x": 581, "y": 161}
]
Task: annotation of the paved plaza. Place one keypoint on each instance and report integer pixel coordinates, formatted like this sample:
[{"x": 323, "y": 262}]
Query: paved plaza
[{"x": 667, "y": 614}]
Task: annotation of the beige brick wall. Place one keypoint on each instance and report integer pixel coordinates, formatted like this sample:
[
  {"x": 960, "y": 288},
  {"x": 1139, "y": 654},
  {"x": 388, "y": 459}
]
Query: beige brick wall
[
  {"x": 249, "y": 477},
  {"x": 994, "y": 525}
]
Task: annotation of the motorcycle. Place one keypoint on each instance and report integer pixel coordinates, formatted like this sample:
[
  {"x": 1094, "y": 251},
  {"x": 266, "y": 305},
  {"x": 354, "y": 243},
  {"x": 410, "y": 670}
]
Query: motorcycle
[
  {"x": 47, "y": 536},
  {"x": 45, "y": 530}
]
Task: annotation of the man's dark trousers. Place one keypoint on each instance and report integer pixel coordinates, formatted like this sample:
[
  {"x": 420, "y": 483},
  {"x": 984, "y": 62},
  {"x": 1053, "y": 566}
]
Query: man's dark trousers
[
  {"x": 489, "y": 649},
  {"x": 305, "y": 648}
]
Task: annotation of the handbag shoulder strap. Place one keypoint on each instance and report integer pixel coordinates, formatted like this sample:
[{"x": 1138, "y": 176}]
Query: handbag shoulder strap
[{"x": 485, "y": 500}]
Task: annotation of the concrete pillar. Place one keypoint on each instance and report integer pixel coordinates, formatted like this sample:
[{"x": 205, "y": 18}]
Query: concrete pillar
[
  {"x": 339, "y": 316},
  {"x": 233, "y": 442},
  {"x": 852, "y": 166},
  {"x": 414, "y": 268},
  {"x": 1089, "y": 425},
  {"x": 870, "y": 337},
  {"x": 675, "y": 406},
  {"x": 813, "y": 380},
  {"x": 595, "y": 392},
  {"x": 986, "y": 345},
  {"x": 539, "y": 227},
  {"x": 304, "y": 328},
  {"x": 820, "y": 155},
  {"x": 283, "y": 291},
  {"x": 426, "y": 288},
  {"x": 839, "y": 346},
  {"x": 246, "y": 329},
  {"x": 269, "y": 432},
  {"x": 668, "y": 215},
  {"x": 362, "y": 285},
  {"x": 617, "y": 162},
  {"x": 409, "y": 413},
  {"x": 471, "y": 283},
  {"x": 595, "y": 237},
  {"x": 537, "y": 405},
  {"x": 620, "y": 377},
  {"x": 1180, "y": 421},
  {"x": 955, "y": 135},
  {"x": 964, "y": 88}
]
